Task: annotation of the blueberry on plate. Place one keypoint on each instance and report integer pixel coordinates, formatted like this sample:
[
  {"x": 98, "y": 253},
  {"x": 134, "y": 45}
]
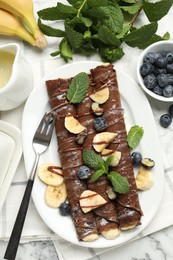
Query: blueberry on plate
[
  {"x": 158, "y": 90},
  {"x": 168, "y": 91},
  {"x": 83, "y": 172},
  {"x": 165, "y": 120},
  {"x": 136, "y": 158},
  {"x": 162, "y": 80},
  {"x": 150, "y": 81},
  {"x": 64, "y": 208},
  {"x": 170, "y": 110},
  {"x": 146, "y": 69},
  {"x": 100, "y": 123}
]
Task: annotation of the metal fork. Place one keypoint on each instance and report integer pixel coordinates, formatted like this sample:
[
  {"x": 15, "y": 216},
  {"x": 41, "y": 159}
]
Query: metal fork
[{"x": 41, "y": 141}]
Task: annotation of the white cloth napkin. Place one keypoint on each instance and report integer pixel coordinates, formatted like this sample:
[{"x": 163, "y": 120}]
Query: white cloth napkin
[{"x": 35, "y": 229}]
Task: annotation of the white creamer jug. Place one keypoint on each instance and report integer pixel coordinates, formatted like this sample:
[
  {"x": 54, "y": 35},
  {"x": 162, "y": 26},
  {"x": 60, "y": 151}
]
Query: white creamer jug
[{"x": 16, "y": 79}]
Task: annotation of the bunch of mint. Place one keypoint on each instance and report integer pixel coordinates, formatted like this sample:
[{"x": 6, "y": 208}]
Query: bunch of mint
[{"x": 103, "y": 25}]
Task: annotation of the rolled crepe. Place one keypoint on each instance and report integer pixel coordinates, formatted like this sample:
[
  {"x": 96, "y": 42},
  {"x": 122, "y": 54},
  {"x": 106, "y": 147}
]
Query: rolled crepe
[
  {"x": 106, "y": 216},
  {"x": 71, "y": 158},
  {"x": 127, "y": 205}
]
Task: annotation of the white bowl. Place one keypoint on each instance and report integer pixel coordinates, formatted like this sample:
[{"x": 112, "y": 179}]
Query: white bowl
[{"x": 166, "y": 45}]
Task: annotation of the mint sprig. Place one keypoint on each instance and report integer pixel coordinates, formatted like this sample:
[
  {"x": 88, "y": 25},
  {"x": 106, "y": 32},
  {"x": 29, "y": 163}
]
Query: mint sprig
[
  {"x": 95, "y": 161},
  {"x": 103, "y": 26},
  {"x": 134, "y": 136},
  {"x": 78, "y": 88}
]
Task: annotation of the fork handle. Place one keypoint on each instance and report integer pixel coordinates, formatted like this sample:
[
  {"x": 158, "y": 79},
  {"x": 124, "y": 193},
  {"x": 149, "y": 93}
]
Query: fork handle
[{"x": 19, "y": 222}]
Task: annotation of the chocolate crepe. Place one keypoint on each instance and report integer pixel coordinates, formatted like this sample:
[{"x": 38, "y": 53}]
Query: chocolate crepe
[
  {"x": 106, "y": 216},
  {"x": 70, "y": 156},
  {"x": 127, "y": 205}
]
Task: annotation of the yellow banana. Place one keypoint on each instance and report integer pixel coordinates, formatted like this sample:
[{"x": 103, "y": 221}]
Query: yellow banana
[
  {"x": 10, "y": 26},
  {"x": 24, "y": 10}
]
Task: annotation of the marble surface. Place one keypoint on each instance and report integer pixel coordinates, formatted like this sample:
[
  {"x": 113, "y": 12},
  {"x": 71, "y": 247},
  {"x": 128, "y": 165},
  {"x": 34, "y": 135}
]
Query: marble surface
[{"x": 155, "y": 246}]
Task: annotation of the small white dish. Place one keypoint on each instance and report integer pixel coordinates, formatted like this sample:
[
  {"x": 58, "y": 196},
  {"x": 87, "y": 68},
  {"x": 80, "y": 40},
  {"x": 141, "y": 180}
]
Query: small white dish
[
  {"x": 155, "y": 47},
  {"x": 11, "y": 152}
]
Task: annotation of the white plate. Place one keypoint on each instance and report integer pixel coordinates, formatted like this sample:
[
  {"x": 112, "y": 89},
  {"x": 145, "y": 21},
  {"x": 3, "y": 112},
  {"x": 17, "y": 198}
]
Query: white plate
[
  {"x": 10, "y": 151},
  {"x": 138, "y": 112}
]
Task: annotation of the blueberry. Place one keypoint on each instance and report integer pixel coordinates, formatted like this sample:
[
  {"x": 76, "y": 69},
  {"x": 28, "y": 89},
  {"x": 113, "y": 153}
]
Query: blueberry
[
  {"x": 169, "y": 68},
  {"x": 150, "y": 81},
  {"x": 158, "y": 71},
  {"x": 162, "y": 80},
  {"x": 161, "y": 62},
  {"x": 136, "y": 158},
  {"x": 165, "y": 120},
  {"x": 146, "y": 69},
  {"x": 163, "y": 53},
  {"x": 158, "y": 90},
  {"x": 168, "y": 91},
  {"x": 170, "y": 109},
  {"x": 100, "y": 123},
  {"x": 83, "y": 172},
  {"x": 149, "y": 57},
  {"x": 170, "y": 79},
  {"x": 169, "y": 57},
  {"x": 64, "y": 208}
]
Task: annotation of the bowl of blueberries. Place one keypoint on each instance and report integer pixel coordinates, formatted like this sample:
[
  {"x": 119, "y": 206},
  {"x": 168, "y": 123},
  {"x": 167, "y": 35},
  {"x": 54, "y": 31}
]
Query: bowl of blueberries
[{"x": 155, "y": 70}]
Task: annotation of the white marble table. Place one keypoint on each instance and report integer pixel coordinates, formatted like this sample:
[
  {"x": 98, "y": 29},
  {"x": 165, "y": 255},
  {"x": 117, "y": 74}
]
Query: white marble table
[{"x": 155, "y": 246}]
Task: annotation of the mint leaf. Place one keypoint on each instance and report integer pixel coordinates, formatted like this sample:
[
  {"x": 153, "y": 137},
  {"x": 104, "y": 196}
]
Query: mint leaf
[
  {"x": 116, "y": 19},
  {"x": 120, "y": 184},
  {"x": 132, "y": 9},
  {"x": 97, "y": 175},
  {"x": 78, "y": 88},
  {"x": 138, "y": 36},
  {"x": 52, "y": 14},
  {"x": 75, "y": 38},
  {"x": 65, "y": 50},
  {"x": 92, "y": 159},
  {"x": 107, "y": 36},
  {"x": 111, "y": 54},
  {"x": 155, "y": 11},
  {"x": 50, "y": 31},
  {"x": 94, "y": 3},
  {"x": 134, "y": 136},
  {"x": 67, "y": 9}
]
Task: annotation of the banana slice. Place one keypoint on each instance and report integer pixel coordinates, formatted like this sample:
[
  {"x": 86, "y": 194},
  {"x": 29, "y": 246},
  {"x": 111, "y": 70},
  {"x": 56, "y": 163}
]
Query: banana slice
[
  {"x": 100, "y": 96},
  {"x": 50, "y": 174},
  {"x": 111, "y": 233},
  {"x": 54, "y": 196},
  {"x": 116, "y": 156},
  {"x": 101, "y": 140},
  {"x": 90, "y": 200},
  {"x": 73, "y": 125}
]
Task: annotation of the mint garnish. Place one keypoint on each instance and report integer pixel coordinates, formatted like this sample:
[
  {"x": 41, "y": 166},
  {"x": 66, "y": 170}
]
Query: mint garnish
[
  {"x": 78, "y": 88},
  {"x": 95, "y": 161},
  {"x": 134, "y": 136},
  {"x": 119, "y": 183},
  {"x": 92, "y": 159},
  {"x": 103, "y": 26}
]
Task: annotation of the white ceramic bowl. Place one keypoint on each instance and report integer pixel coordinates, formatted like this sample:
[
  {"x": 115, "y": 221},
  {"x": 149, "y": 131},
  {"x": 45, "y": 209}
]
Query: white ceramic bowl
[{"x": 155, "y": 47}]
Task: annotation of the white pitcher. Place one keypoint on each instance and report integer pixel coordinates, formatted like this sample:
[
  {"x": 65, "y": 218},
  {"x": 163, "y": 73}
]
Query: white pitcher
[{"x": 20, "y": 82}]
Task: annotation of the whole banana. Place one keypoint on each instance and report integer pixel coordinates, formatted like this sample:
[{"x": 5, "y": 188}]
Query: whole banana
[
  {"x": 11, "y": 26},
  {"x": 24, "y": 10}
]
